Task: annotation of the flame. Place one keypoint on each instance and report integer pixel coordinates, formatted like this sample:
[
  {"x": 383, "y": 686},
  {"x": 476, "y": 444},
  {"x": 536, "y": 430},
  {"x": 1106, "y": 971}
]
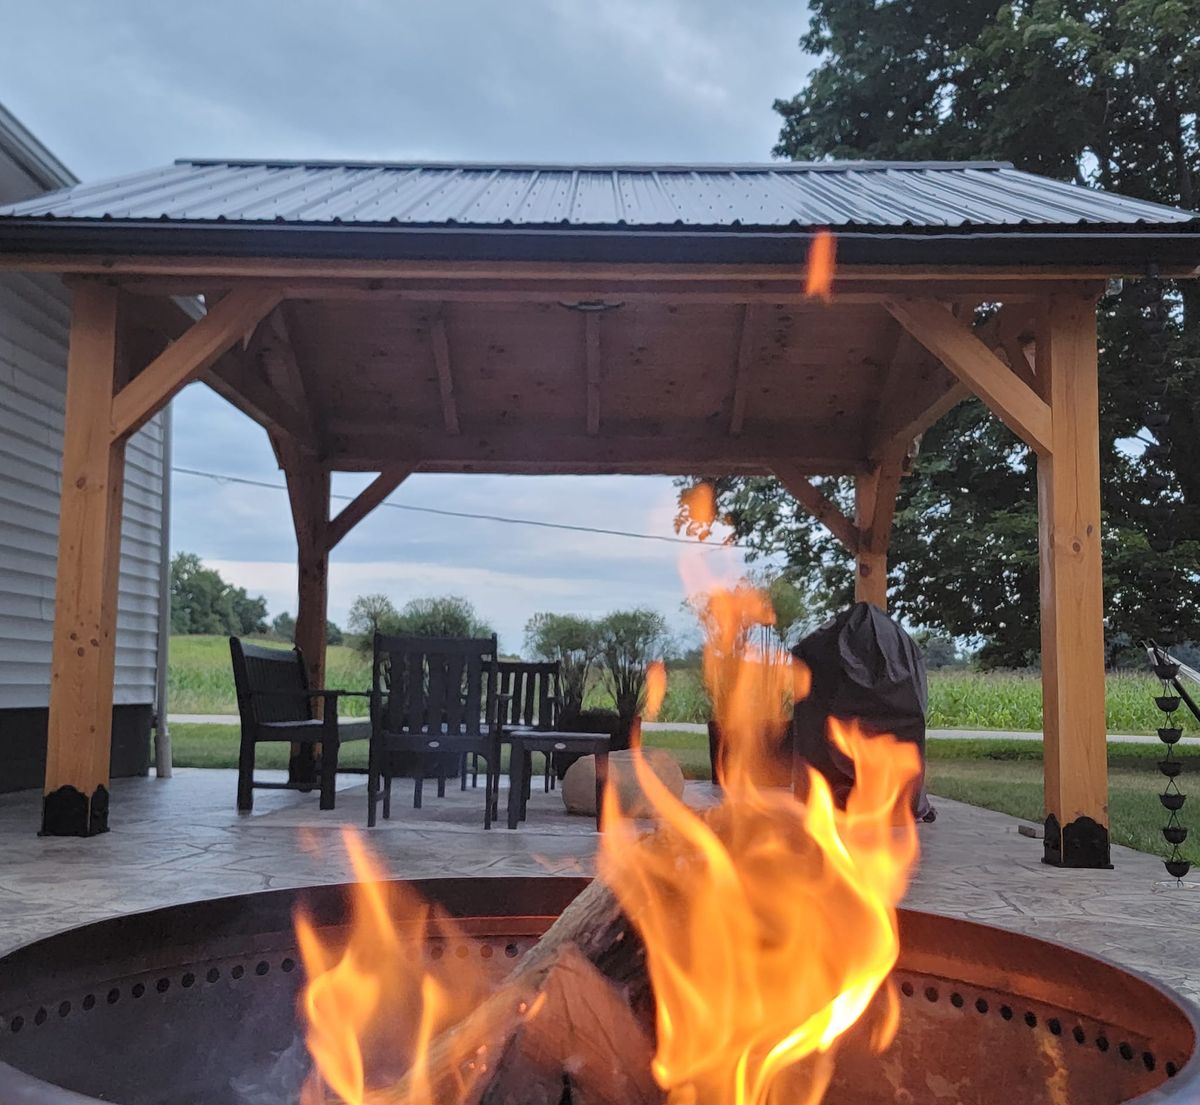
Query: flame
[
  {"x": 656, "y": 689},
  {"x": 769, "y": 924},
  {"x": 822, "y": 263},
  {"x": 372, "y": 1006}
]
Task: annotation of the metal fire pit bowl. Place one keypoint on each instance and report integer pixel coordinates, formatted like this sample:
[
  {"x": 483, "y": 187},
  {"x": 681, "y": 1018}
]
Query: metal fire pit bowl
[{"x": 195, "y": 1005}]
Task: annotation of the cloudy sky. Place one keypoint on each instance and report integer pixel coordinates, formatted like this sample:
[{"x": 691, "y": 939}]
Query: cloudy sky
[{"x": 122, "y": 85}]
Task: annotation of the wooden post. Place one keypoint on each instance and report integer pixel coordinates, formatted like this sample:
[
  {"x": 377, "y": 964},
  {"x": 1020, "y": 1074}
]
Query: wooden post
[
  {"x": 308, "y": 490},
  {"x": 1075, "y": 743},
  {"x": 874, "y": 507},
  {"x": 85, "y": 600}
]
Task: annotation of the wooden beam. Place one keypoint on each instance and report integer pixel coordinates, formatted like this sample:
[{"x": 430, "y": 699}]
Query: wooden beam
[
  {"x": 742, "y": 366},
  {"x": 274, "y": 350},
  {"x": 874, "y": 508},
  {"x": 187, "y": 358},
  {"x": 1072, "y": 604},
  {"x": 236, "y": 382},
  {"x": 308, "y": 492},
  {"x": 441, "y": 359},
  {"x": 823, "y": 509},
  {"x": 591, "y": 356},
  {"x": 362, "y": 504},
  {"x": 960, "y": 350},
  {"x": 560, "y": 447},
  {"x": 85, "y": 599}
]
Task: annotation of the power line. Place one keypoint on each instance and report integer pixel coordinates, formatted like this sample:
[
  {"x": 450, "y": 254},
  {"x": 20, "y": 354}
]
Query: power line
[{"x": 503, "y": 519}]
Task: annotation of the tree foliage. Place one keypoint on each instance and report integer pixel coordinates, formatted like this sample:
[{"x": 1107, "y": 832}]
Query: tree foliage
[
  {"x": 369, "y": 614},
  {"x": 202, "y": 602},
  {"x": 629, "y": 640},
  {"x": 572, "y": 641},
  {"x": 1102, "y": 93}
]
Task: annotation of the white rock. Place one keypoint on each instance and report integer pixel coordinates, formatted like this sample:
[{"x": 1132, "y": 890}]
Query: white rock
[{"x": 579, "y": 784}]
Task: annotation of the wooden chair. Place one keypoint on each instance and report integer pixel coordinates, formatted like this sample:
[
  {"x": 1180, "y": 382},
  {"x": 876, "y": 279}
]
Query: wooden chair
[
  {"x": 433, "y": 702},
  {"x": 276, "y": 704},
  {"x": 527, "y": 698}
]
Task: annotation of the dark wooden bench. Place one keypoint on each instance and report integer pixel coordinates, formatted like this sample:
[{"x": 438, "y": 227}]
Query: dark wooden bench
[
  {"x": 276, "y": 704},
  {"x": 526, "y": 698}
]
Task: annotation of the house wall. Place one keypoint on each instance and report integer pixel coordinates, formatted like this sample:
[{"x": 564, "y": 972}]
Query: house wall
[{"x": 34, "y": 326}]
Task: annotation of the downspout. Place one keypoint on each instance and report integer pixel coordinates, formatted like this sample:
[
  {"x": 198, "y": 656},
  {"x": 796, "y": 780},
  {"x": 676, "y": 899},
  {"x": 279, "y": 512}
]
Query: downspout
[{"x": 162, "y": 731}]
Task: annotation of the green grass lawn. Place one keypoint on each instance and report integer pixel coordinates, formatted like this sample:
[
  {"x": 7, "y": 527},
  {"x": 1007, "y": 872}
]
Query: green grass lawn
[
  {"x": 201, "y": 682},
  {"x": 998, "y": 775}
]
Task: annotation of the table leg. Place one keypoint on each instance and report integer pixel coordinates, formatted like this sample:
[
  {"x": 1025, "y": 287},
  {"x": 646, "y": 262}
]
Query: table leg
[
  {"x": 601, "y": 784},
  {"x": 516, "y": 782}
]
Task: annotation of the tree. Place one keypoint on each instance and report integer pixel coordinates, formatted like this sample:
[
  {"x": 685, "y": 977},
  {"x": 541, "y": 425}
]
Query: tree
[
  {"x": 369, "y": 614},
  {"x": 572, "y": 641},
  {"x": 442, "y": 616},
  {"x": 1101, "y": 92},
  {"x": 283, "y": 626},
  {"x": 202, "y": 602},
  {"x": 629, "y": 640},
  {"x": 333, "y": 634}
]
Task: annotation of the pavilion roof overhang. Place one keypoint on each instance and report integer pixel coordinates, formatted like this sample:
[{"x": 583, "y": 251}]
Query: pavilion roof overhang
[{"x": 600, "y": 319}]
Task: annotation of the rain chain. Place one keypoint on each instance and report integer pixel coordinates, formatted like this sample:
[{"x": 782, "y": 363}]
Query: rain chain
[{"x": 1172, "y": 797}]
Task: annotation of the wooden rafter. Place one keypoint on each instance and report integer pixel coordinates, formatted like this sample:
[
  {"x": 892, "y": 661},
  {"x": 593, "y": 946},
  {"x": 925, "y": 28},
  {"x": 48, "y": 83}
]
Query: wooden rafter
[
  {"x": 823, "y": 509},
  {"x": 234, "y": 379},
  {"x": 187, "y": 358},
  {"x": 441, "y": 360},
  {"x": 741, "y": 373},
  {"x": 592, "y": 353},
  {"x": 274, "y": 350},
  {"x": 362, "y": 504},
  {"x": 961, "y": 350}
]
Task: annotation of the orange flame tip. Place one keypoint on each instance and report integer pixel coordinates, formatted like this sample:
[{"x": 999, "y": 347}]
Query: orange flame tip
[{"x": 822, "y": 262}]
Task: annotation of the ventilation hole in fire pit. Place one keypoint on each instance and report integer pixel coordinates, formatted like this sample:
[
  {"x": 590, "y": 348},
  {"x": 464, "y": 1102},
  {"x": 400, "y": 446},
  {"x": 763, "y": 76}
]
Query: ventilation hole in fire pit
[
  {"x": 64, "y": 1010},
  {"x": 262, "y": 967},
  {"x": 188, "y": 980},
  {"x": 981, "y": 1004},
  {"x": 1126, "y": 1052},
  {"x": 486, "y": 951},
  {"x": 437, "y": 951},
  {"x": 931, "y": 993},
  {"x": 113, "y": 996},
  {"x": 1170, "y": 1068},
  {"x": 906, "y": 988},
  {"x": 138, "y": 989},
  {"x": 1006, "y": 1012},
  {"x": 39, "y": 1017},
  {"x": 512, "y": 951},
  {"x": 288, "y": 965},
  {"x": 462, "y": 951},
  {"x": 1031, "y": 1020},
  {"x": 89, "y": 1002},
  {"x": 1055, "y": 1026},
  {"x": 18, "y": 1023},
  {"x": 1079, "y": 1034},
  {"x": 237, "y": 971},
  {"x": 1102, "y": 1043},
  {"x": 956, "y": 999},
  {"x": 213, "y": 974},
  {"x": 163, "y": 985},
  {"x": 1148, "y": 1060}
]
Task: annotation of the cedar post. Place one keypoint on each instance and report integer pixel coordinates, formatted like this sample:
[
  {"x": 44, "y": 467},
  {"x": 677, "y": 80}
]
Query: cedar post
[
  {"x": 85, "y": 601},
  {"x": 1075, "y": 739},
  {"x": 308, "y": 490},
  {"x": 874, "y": 506}
]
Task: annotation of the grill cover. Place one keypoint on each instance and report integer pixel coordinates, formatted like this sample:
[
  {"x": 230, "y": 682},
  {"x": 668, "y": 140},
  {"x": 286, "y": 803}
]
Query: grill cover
[{"x": 864, "y": 666}]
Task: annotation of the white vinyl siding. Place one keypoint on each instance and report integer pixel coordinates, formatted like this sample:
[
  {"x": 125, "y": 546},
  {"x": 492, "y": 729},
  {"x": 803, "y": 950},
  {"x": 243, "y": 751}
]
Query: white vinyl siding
[{"x": 34, "y": 324}]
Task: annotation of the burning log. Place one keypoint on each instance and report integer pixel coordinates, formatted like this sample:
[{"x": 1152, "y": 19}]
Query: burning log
[{"x": 574, "y": 1021}]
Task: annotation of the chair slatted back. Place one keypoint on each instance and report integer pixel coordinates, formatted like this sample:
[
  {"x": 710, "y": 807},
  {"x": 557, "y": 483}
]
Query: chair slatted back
[
  {"x": 533, "y": 693},
  {"x": 435, "y": 685},
  {"x": 257, "y": 669}
]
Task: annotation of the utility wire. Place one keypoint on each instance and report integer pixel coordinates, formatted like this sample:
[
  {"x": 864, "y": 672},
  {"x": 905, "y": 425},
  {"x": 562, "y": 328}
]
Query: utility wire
[{"x": 573, "y": 528}]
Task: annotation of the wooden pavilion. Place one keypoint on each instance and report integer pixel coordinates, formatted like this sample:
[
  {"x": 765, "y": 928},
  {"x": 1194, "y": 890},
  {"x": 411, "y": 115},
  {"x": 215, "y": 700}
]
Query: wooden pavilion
[{"x": 599, "y": 319}]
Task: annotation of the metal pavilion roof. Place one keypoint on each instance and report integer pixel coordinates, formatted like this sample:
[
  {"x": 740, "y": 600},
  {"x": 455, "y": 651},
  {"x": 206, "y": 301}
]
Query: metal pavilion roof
[{"x": 783, "y": 196}]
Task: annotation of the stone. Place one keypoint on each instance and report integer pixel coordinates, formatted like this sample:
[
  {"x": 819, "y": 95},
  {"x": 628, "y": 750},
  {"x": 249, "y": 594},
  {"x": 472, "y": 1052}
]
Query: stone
[{"x": 579, "y": 784}]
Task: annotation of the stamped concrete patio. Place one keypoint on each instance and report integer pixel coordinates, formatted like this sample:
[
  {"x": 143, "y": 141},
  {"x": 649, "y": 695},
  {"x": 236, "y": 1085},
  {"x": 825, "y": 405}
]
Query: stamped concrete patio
[{"x": 181, "y": 839}]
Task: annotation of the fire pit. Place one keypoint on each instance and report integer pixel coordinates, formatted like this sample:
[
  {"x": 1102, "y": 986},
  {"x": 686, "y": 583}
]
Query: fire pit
[{"x": 196, "y": 1005}]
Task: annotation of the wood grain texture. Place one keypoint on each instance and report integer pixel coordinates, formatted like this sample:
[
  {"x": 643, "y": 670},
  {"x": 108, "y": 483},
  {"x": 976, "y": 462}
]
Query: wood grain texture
[
  {"x": 874, "y": 508},
  {"x": 363, "y": 503},
  {"x": 742, "y": 368},
  {"x": 823, "y": 509},
  {"x": 592, "y": 354},
  {"x": 308, "y": 494},
  {"x": 89, "y": 539},
  {"x": 187, "y": 358},
  {"x": 961, "y": 350},
  {"x": 1072, "y": 601},
  {"x": 441, "y": 359}
]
